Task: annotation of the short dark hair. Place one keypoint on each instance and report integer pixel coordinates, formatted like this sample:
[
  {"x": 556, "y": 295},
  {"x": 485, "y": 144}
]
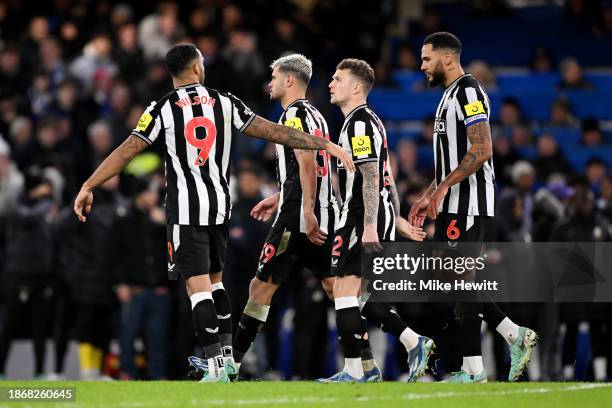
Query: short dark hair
[
  {"x": 442, "y": 39},
  {"x": 361, "y": 69},
  {"x": 179, "y": 57}
]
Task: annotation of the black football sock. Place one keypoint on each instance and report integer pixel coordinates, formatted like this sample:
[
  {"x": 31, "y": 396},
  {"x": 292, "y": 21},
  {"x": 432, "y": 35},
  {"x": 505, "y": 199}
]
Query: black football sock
[
  {"x": 224, "y": 316},
  {"x": 251, "y": 322}
]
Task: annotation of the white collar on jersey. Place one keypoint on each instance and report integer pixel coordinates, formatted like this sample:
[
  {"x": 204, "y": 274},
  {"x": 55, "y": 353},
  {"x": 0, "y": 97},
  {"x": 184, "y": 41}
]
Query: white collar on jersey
[{"x": 187, "y": 86}]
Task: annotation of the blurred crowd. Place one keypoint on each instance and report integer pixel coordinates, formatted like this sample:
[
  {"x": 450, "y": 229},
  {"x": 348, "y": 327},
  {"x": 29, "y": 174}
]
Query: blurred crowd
[{"x": 74, "y": 80}]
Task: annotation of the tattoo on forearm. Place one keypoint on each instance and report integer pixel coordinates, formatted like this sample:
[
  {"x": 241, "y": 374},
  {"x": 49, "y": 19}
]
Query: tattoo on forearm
[
  {"x": 371, "y": 195},
  {"x": 479, "y": 135},
  {"x": 285, "y": 135}
]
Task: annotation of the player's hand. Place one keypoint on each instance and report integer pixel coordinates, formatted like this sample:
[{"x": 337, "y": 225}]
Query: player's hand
[
  {"x": 342, "y": 155},
  {"x": 418, "y": 211},
  {"x": 315, "y": 234},
  {"x": 266, "y": 208},
  {"x": 435, "y": 200},
  {"x": 408, "y": 230},
  {"x": 83, "y": 201},
  {"x": 369, "y": 239}
]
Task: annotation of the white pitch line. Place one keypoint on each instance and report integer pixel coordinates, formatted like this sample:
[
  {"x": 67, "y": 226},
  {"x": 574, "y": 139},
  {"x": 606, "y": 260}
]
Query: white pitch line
[{"x": 331, "y": 400}]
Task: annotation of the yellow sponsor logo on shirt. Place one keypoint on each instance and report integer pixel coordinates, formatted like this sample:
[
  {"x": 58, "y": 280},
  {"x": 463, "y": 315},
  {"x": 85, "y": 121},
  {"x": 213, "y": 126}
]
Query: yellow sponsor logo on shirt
[
  {"x": 361, "y": 145},
  {"x": 144, "y": 121},
  {"x": 295, "y": 123},
  {"x": 474, "y": 108}
]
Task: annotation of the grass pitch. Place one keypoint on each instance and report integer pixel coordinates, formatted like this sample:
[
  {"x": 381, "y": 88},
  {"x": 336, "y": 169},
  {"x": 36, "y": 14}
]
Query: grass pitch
[{"x": 307, "y": 394}]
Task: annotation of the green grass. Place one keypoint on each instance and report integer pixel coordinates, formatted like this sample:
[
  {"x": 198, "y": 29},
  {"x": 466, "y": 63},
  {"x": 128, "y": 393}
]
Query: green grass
[{"x": 308, "y": 394}]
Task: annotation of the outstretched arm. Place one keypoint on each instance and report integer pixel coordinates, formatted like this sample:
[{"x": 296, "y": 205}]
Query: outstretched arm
[{"x": 264, "y": 129}]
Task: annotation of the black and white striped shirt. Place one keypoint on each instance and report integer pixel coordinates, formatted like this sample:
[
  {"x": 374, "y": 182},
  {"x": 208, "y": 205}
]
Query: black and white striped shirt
[
  {"x": 463, "y": 104},
  {"x": 364, "y": 136},
  {"x": 196, "y": 123},
  {"x": 303, "y": 116}
]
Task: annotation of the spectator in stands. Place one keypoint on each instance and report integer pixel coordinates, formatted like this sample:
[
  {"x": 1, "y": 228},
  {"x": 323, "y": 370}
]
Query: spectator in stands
[
  {"x": 248, "y": 66},
  {"x": 603, "y": 27},
  {"x": 384, "y": 76},
  {"x": 516, "y": 203},
  {"x": 158, "y": 31},
  {"x": 285, "y": 36},
  {"x": 591, "y": 133},
  {"x": 542, "y": 61},
  {"x": 101, "y": 140},
  {"x": 522, "y": 136},
  {"x": 138, "y": 246},
  {"x": 13, "y": 75},
  {"x": 426, "y": 137},
  {"x": 483, "y": 73},
  {"x": 407, "y": 60},
  {"x": 550, "y": 160},
  {"x": 504, "y": 158},
  {"x": 604, "y": 203},
  {"x": 584, "y": 224},
  {"x": 51, "y": 61},
  {"x": 595, "y": 172},
  {"x": 571, "y": 76},
  {"x": 218, "y": 70},
  {"x": 95, "y": 60},
  {"x": 88, "y": 272},
  {"x": 120, "y": 98},
  {"x": 11, "y": 179},
  {"x": 127, "y": 54},
  {"x": 29, "y": 273},
  {"x": 560, "y": 114},
  {"x": 510, "y": 114},
  {"x": 408, "y": 162},
  {"x": 40, "y": 95},
  {"x": 37, "y": 32}
]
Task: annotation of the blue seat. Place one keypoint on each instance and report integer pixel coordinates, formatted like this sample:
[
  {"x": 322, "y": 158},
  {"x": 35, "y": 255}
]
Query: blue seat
[
  {"x": 601, "y": 81},
  {"x": 509, "y": 83}
]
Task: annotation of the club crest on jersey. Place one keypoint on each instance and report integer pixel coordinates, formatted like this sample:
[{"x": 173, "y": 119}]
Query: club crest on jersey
[
  {"x": 440, "y": 126},
  {"x": 361, "y": 145},
  {"x": 144, "y": 121},
  {"x": 295, "y": 123}
]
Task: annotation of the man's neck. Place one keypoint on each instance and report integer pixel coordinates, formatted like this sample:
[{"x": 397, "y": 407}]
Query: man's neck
[
  {"x": 452, "y": 74},
  {"x": 178, "y": 82},
  {"x": 349, "y": 106},
  {"x": 291, "y": 97}
]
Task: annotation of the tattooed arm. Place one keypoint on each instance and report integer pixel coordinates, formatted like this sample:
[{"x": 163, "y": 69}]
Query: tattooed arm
[
  {"x": 481, "y": 150},
  {"x": 370, "y": 192},
  {"x": 288, "y": 136},
  {"x": 110, "y": 167},
  {"x": 371, "y": 197}
]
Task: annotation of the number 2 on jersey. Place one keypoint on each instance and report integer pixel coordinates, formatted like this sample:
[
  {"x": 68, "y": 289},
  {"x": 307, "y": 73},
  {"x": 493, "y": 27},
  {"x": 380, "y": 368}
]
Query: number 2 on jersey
[{"x": 203, "y": 145}]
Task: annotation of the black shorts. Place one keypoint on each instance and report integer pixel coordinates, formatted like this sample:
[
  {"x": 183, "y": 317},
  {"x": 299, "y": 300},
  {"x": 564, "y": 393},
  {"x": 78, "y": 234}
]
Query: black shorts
[
  {"x": 196, "y": 249},
  {"x": 346, "y": 249},
  {"x": 287, "y": 250},
  {"x": 460, "y": 228}
]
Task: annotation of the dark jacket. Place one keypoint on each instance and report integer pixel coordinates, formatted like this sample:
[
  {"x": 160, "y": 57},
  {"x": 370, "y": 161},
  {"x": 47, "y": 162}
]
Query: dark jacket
[
  {"x": 84, "y": 249},
  {"x": 138, "y": 247},
  {"x": 29, "y": 241}
]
